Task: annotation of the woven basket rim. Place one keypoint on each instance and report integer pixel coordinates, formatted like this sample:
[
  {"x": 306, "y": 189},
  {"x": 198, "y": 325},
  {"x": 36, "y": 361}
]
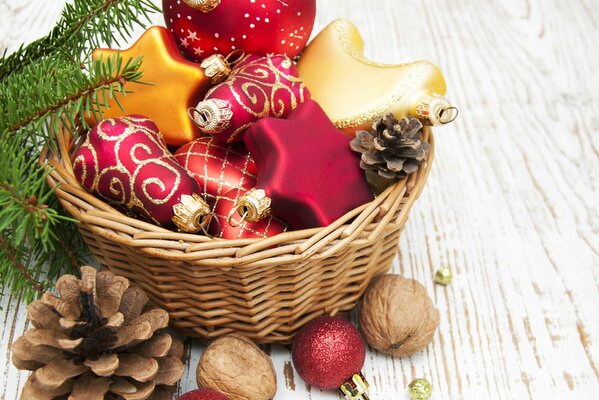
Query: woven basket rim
[{"x": 155, "y": 240}]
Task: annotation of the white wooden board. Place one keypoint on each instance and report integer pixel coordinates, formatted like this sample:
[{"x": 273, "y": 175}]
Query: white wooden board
[{"x": 511, "y": 204}]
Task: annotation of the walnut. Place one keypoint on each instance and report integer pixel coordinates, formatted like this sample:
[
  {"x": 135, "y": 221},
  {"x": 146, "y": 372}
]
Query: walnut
[
  {"x": 235, "y": 366},
  {"x": 397, "y": 316}
]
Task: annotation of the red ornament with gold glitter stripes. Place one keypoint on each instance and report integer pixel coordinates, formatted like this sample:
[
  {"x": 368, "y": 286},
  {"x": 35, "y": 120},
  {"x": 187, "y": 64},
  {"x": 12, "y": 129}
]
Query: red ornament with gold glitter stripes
[
  {"x": 225, "y": 173},
  {"x": 218, "y": 168},
  {"x": 234, "y": 227}
]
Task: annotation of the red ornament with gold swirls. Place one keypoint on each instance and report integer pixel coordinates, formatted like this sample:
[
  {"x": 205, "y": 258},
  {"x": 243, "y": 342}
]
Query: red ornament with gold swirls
[
  {"x": 258, "y": 87},
  {"x": 206, "y": 27},
  {"x": 125, "y": 162}
]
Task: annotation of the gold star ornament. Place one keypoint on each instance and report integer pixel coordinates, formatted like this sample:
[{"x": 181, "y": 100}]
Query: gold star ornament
[
  {"x": 175, "y": 85},
  {"x": 355, "y": 91}
]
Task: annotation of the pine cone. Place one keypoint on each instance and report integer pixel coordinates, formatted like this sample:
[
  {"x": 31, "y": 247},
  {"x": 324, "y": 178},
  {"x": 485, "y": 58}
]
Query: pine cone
[
  {"x": 394, "y": 150},
  {"x": 96, "y": 342}
]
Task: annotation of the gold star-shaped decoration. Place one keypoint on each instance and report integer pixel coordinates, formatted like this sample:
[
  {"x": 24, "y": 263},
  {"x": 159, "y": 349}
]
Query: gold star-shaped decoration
[{"x": 176, "y": 85}]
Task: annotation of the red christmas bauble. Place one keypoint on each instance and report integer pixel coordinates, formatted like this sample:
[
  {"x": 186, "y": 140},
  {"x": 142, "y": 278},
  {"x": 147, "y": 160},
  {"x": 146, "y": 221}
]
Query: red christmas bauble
[
  {"x": 327, "y": 352},
  {"x": 125, "y": 161},
  {"x": 257, "y": 87},
  {"x": 218, "y": 168},
  {"x": 267, "y": 227},
  {"x": 203, "y": 394},
  {"x": 257, "y": 27}
]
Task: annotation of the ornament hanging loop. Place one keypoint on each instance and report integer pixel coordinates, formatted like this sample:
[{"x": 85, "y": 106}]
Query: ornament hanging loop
[
  {"x": 235, "y": 223},
  {"x": 213, "y": 217},
  {"x": 448, "y": 115},
  {"x": 234, "y": 57},
  {"x": 435, "y": 110}
]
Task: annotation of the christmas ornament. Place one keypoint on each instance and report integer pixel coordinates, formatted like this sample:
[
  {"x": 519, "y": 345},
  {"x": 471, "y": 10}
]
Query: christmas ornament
[
  {"x": 397, "y": 316},
  {"x": 203, "y": 394},
  {"x": 235, "y": 366},
  {"x": 97, "y": 339},
  {"x": 258, "y": 87},
  {"x": 420, "y": 389},
  {"x": 225, "y": 172},
  {"x": 307, "y": 174},
  {"x": 394, "y": 149},
  {"x": 125, "y": 161},
  {"x": 328, "y": 353},
  {"x": 206, "y": 27},
  {"x": 355, "y": 91},
  {"x": 444, "y": 276},
  {"x": 176, "y": 85},
  {"x": 218, "y": 168},
  {"x": 230, "y": 225}
]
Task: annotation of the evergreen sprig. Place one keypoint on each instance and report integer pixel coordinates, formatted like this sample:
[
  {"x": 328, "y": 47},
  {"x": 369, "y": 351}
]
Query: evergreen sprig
[
  {"x": 64, "y": 89},
  {"x": 44, "y": 86},
  {"x": 84, "y": 26}
]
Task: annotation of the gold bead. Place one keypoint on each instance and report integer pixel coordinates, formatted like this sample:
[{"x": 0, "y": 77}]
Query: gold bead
[
  {"x": 444, "y": 276},
  {"x": 420, "y": 389}
]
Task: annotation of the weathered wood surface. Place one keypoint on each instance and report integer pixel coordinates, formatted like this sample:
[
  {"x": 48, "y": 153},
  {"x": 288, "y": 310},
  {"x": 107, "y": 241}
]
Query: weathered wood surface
[{"x": 511, "y": 204}]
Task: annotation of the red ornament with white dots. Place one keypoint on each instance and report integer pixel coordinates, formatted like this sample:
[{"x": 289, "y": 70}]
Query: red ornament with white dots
[{"x": 256, "y": 26}]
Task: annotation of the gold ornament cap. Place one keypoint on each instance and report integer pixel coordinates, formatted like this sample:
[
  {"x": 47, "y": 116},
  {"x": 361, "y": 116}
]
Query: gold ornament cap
[
  {"x": 192, "y": 214},
  {"x": 435, "y": 110},
  {"x": 204, "y": 6},
  {"x": 212, "y": 116},
  {"x": 218, "y": 68},
  {"x": 356, "y": 389},
  {"x": 254, "y": 205}
]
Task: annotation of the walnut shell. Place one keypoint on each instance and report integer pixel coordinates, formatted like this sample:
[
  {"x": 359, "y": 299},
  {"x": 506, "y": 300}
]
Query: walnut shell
[
  {"x": 397, "y": 316},
  {"x": 236, "y": 367}
]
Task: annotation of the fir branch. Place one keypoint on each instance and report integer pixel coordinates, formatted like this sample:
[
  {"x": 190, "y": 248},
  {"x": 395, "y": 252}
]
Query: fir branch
[
  {"x": 11, "y": 255},
  {"x": 84, "y": 25},
  {"x": 43, "y": 86},
  {"x": 68, "y": 91},
  {"x": 38, "y": 239}
]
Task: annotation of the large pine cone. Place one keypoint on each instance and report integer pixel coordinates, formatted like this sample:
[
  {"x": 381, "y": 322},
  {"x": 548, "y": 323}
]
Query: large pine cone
[
  {"x": 394, "y": 149},
  {"x": 96, "y": 342}
]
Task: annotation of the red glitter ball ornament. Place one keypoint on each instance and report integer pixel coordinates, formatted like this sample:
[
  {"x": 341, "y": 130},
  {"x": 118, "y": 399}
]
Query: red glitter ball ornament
[
  {"x": 203, "y": 394},
  {"x": 327, "y": 352},
  {"x": 257, "y": 27}
]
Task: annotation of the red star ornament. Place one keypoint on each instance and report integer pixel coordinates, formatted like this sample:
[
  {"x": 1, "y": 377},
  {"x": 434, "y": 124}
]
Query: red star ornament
[
  {"x": 176, "y": 85},
  {"x": 306, "y": 168}
]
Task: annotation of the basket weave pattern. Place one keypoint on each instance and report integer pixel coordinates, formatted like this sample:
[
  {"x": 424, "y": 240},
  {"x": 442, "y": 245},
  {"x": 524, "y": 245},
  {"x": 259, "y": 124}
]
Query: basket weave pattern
[{"x": 265, "y": 289}]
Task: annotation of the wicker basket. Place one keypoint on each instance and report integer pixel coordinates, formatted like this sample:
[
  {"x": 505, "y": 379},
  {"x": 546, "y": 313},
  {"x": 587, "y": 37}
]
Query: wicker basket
[{"x": 265, "y": 289}]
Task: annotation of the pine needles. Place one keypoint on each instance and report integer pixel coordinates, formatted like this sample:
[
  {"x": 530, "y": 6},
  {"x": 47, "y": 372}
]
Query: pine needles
[
  {"x": 44, "y": 85},
  {"x": 84, "y": 26}
]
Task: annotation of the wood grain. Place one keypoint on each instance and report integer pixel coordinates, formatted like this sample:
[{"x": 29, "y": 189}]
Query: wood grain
[{"x": 511, "y": 204}]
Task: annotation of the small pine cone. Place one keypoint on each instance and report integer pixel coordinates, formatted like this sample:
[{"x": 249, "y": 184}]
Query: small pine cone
[
  {"x": 97, "y": 341},
  {"x": 394, "y": 149}
]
